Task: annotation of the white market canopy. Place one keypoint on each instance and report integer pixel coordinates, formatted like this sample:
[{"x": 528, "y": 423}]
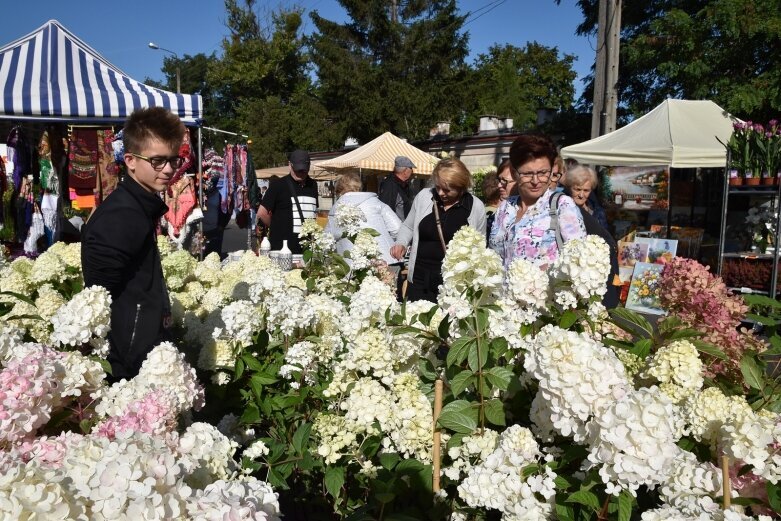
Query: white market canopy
[
  {"x": 380, "y": 154},
  {"x": 52, "y": 74},
  {"x": 677, "y": 133}
]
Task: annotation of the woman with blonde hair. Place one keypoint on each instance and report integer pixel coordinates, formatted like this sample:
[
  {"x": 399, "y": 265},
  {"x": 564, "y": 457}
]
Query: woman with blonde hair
[
  {"x": 379, "y": 216},
  {"x": 436, "y": 215}
]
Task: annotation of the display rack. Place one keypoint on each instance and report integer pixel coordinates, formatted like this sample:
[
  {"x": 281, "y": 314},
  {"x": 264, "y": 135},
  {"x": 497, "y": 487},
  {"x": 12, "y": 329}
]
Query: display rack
[{"x": 772, "y": 192}]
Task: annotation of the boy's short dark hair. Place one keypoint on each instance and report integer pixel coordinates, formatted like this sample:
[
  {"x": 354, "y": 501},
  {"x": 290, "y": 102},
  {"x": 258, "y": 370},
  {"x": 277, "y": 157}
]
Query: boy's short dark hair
[{"x": 153, "y": 122}]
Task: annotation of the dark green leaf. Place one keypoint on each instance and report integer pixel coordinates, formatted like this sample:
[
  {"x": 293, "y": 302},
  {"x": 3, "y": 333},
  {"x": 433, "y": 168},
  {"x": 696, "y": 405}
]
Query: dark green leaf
[
  {"x": 252, "y": 362},
  {"x": 301, "y": 437},
  {"x": 334, "y": 479},
  {"x": 774, "y": 496},
  {"x": 709, "y": 349},
  {"x": 461, "y": 381},
  {"x": 455, "y": 440},
  {"x": 632, "y": 322},
  {"x": 568, "y": 318},
  {"x": 239, "y": 368},
  {"x": 765, "y": 321},
  {"x": 494, "y": 412},
  {"x": 685, "y": 333},
  {"x": 752, "y": 373},
  {"x": 19, "y": 296},
  {"x": 370, "y": 446},
  {"x": 459, "y": 416},
  {"x": 625, "y": 501},
  {"x": 478, "y": 356},
  {"x": 385, "y": 497},
  {"x": 458, "y": 350},
  {"x": 585, "y": 497},
  {"x": 264, "y": 378},
  {"x": 389, "y": 460},
  {"x": 499, "y": 377},
  {"x": 427, "y": 369},
  {"x": 402, "y": 330},
  {"x": 564, "y": 512},
  {"x": 443, "y": 330},
  {"x": 251, "y": 414},
  {"x": 409, "y": 466},
  {"x": 668, "y": 324},
  {"x": 528, "y": 470},
  {"x": 642, "y": 348}
]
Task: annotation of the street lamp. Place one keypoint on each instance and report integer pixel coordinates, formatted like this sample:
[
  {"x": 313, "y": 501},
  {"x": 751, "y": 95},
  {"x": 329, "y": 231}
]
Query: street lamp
[{"x": 153, "y": 45}]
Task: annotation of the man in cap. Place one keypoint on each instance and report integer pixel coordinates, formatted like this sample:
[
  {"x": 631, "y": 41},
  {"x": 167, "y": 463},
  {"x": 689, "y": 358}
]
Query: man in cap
[
  {"x": 396, "y": 190},
  {"x": 288, "y": 202}
]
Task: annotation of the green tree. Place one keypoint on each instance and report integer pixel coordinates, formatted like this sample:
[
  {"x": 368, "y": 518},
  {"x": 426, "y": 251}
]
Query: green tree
[
  {"x": 391, "y": 71},
  {"x": 193, "y": 79},
  {"x": 727, "y": 51},
  {"x": 515, "y": 81},
  {"x": 263, "y": 84}
]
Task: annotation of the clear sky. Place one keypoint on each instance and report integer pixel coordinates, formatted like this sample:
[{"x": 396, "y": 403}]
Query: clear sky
[{"x": 120, "y": 31}]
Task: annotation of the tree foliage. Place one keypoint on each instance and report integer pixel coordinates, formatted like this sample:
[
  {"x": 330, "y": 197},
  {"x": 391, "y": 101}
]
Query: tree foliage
[
  {"x": 265, "y": 89},
  {"x": 513, "y": 81},
  {"x": 383, "y": 71},
  {"x": 724, "y": 50}
]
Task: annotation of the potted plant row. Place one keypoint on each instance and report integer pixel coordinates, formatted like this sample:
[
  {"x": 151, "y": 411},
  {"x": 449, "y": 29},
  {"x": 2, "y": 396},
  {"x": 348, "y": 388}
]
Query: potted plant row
[{"x": 755, "y": 153}]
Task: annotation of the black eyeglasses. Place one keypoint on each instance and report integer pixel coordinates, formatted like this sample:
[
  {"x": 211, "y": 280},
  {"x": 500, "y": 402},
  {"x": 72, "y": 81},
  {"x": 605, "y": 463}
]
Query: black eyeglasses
[
  {"x": 159, "y": 162},
  {"x": 542, "y": 175}
]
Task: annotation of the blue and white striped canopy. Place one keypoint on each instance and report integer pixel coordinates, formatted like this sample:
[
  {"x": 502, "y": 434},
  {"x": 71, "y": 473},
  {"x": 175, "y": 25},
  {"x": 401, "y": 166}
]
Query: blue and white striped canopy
[{"x": 52, "y": 74}]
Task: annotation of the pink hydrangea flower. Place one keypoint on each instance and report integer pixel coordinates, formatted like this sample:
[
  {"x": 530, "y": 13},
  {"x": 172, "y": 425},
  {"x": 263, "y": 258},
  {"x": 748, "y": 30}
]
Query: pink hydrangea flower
[{"x": 155, "y": 413}]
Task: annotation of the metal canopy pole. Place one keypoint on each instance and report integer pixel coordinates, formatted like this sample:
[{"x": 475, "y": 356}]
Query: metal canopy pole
[
  {"x": 724, "y": 201},
  {"x": 200, "y": 192}
]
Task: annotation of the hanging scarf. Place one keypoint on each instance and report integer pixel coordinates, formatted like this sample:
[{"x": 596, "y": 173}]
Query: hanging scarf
[
  {"x": 226, "y": 193},
  {"x": 108, "y": 171},
  {"x": 83, "y": 156}
]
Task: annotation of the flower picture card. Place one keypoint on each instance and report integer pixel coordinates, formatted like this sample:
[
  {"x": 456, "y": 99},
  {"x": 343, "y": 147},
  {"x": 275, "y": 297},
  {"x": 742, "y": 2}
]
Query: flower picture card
[
  {"x": 644, "y": 289},
  {"x": 662, "y": 251},
  {"x": 630, "y": 253}
]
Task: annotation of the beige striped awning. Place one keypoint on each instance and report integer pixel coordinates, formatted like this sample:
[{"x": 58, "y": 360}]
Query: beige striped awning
[{"x": 380, "y": 154}]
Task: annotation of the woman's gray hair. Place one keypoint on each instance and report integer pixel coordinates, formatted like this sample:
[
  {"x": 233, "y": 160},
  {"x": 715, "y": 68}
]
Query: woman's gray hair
[{"x": 579, "y": 174}]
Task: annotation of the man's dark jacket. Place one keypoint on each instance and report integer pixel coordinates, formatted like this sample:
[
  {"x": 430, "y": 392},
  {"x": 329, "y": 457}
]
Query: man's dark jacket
[
  {"x": 611, "y": 298},
  {"x": 119, "y": 252},
  {"x": 393, "y": 191}
]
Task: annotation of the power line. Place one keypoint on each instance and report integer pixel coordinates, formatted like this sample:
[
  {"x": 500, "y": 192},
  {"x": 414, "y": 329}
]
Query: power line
[{"x": 493, "y": 5}]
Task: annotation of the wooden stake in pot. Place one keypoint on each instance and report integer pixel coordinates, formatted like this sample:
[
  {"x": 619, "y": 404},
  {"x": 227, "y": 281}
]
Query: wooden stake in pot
[
  {"x": 436, "y": 456},
  {"x": 725, "y": 481}
]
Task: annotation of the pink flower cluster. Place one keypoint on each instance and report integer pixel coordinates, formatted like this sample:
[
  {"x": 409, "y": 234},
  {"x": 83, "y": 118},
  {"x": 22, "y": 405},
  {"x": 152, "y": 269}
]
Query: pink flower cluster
[
  {"x": 701, "y": 300},
  {"x": 29, "y": 391},
  {"x": 155, "y": 414}
]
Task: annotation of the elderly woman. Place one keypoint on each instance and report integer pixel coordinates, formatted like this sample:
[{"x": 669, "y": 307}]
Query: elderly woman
[
  {"x": 579, "y": 183},
  {"x": 436, "y": 215},
  {"x": 379, "y": 216},
  {"x": 524, "y": 227}
]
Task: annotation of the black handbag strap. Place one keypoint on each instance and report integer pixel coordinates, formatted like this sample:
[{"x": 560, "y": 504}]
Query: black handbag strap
[{"x": 295, "y": 197}]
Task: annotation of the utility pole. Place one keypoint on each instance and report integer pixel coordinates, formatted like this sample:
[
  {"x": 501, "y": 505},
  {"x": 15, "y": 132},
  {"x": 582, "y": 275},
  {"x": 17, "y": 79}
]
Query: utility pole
[
  {"x": 603, "y": 118},
  {"x": 394, "y": 11}
]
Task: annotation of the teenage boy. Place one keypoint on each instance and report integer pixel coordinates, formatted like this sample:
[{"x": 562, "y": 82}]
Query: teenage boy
[{"x": 119, "y": 243}]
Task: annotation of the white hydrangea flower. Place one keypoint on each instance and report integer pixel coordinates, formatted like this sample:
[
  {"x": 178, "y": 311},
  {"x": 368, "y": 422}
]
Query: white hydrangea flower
[
  {"x": 473, "y": 449},
  {"x": 48, "y": 301},
  {"x": 349, "y": 218},
  {"x": 577, "y": 376},
  {"x": 315, "y": 238},
  {"x": 302, "y": 358},
  {"x": 248, "y": 499},
  {"x": 470, "y": 265},
  {"x": 207, "y": 455},
  {"x": 368, "y": 305},
  {"x": 497, "y": 482},
  {"x": 336, "y": 437},
  {"x": 506, "y": 322},
  {"x": 256, "y": 451},
  {"x": 633, "y": 440},
  {"x": 706, "y": 411},
  {"x": 678, "y": 369},
  {"x": 586, "y": 263},
  {"x": 754, "y": 440},
  {"x": 689, "y": 481},
  {"x": 47, "y": 268},
  {"x": 178, "y": 269},
  {"x": 164, "y": 368},
  {"x": 528, "y": 285},
  {"x": 242, "y": 320},
  {"x": 11, "y": 336},
  {"x": 289, "y": 311},
  {"x": 364, "y": 252},
  {"x": 87, "y": 315}
]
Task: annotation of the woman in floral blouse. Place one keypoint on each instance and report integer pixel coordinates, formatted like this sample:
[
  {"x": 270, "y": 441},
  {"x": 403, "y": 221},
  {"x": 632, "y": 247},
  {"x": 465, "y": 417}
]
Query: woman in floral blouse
[{"x": 522, "y": 228}]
